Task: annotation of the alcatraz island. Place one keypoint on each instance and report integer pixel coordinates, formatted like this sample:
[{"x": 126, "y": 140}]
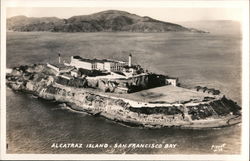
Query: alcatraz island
[{"x": 124, "y": 92}]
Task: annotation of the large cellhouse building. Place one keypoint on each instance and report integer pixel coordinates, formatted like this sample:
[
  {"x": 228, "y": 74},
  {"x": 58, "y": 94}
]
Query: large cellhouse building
[{"x": 99, "y": 64}]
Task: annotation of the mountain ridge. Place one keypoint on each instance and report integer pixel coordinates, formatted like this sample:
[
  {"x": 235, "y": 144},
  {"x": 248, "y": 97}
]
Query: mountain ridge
[{"x": 106, "y": 21}]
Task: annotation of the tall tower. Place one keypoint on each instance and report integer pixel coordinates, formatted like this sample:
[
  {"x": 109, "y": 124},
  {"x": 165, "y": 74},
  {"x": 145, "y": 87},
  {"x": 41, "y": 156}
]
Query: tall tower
[
  {"x": 130, "y": 60},
  {"x": 59, "y": 58}
]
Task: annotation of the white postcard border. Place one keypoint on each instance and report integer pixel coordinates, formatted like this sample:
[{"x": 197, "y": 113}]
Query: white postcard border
[{"x": 124, "y": 3}]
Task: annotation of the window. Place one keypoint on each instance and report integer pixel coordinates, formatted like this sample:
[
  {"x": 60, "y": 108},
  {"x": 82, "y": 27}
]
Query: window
[{"x": 94, "y": 66}]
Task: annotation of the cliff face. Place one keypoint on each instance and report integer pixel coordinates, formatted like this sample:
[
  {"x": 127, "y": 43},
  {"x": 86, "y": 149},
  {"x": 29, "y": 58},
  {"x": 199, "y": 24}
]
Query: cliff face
[
  {"x": 111, "y": 20},
  {"x": 213, "y": 113},
  {"x": 134, "y": 84}
]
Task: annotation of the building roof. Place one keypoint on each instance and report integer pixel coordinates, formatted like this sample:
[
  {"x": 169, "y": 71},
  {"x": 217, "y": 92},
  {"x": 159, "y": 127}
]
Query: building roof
[
  {"x": 120, "y": 73},
  {"x": 66, "y": 75},
  {"x": 61, "y": 66},
  {"x": 96, "y": 60},
  {"x": 132, "y": 66},
  {"x": 91, "y": 73}
]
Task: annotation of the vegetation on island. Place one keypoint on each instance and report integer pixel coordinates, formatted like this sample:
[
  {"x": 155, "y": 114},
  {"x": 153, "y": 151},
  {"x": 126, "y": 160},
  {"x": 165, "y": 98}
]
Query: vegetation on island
[{"x": 106, "y": 21}]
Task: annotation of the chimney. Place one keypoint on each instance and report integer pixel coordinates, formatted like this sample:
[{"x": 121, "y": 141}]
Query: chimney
[
  {"x": 59, "y": 58},
  {"x": 130, "y": 60}
]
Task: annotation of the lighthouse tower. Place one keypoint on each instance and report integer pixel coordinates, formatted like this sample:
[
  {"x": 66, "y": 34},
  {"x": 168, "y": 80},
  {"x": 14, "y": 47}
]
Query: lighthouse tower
[{"x": 130, "y": 60}]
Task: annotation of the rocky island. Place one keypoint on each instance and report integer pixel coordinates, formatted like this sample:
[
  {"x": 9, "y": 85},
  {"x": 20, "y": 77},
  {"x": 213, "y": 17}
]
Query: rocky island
[{"x": 126, "y": 93}]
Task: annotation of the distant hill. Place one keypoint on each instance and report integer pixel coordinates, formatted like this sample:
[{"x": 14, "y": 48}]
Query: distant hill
[
  {"x": 215, "y": 26},
  {"x": 107, "y": 21}
]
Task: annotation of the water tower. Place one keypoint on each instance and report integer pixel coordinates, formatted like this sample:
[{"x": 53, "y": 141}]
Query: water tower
[{"x": 130, "y": 60}]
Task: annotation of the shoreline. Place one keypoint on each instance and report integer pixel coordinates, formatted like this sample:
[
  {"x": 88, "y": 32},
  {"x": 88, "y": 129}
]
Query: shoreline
[
  {"x": 70, "y": 106},
  {"x": 199, "y": 125}
]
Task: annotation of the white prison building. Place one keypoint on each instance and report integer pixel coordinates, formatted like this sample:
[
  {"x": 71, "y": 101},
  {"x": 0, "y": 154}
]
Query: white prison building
[{"x": 97, "y": 64}]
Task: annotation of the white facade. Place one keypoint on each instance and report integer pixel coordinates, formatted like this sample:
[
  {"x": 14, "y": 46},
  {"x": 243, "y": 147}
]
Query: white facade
[
  {"x": 95, "y": 64},
  {"x": 100, "y": 66},
  {"x": 81, "y": 64},
  {"x": 172, "y": 81},
  {"x": 114, "y": 66},
  {"x": 107, "y": 66}
]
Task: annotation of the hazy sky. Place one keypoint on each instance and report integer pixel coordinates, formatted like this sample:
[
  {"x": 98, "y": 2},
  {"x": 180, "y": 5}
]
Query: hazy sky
[{"x": 165, "y": 14}]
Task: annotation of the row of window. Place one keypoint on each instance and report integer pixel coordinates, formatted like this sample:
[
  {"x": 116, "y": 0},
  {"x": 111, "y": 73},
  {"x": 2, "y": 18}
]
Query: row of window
[
  {"x": 94, "y": 66},
  {"x": 117, "y": 68},
  {"x": 113, "y": 68}
]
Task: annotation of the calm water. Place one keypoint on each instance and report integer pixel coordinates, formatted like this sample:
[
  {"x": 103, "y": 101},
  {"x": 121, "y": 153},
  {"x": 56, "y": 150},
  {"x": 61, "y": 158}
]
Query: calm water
[{"x": 33, "y": 125}]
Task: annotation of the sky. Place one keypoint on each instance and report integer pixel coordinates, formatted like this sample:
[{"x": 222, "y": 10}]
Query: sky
[{"x": 164, "y": 14}]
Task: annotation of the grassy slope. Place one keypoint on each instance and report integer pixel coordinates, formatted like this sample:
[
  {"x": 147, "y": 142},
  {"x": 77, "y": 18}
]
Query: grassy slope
[{"x": 110, "y": 20}]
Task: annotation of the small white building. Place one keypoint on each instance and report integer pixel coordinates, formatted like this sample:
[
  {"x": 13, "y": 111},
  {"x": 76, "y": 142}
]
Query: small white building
[
  {"x": 59, "y": 68},
  {"x": 74, "y": 73},
  {"x": 172, "y": 81}
]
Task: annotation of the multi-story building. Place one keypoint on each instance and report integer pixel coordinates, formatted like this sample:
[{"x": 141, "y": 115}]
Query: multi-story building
[{"x": 97, "y": 64}]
